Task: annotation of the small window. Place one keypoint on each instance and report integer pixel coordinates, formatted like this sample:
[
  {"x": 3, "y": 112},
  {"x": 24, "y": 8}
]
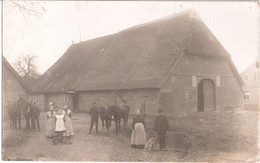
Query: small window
[
  {"x": 57, "y": 97},
  {"x": 246, "y": 95},
  {"x": 65, "y": 97},
  {"x": 36, "y": 98}
]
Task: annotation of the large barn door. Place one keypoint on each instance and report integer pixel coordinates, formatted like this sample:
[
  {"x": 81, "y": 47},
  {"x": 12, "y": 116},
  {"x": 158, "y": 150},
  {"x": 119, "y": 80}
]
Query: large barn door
[{"x": 206, "y": 95}]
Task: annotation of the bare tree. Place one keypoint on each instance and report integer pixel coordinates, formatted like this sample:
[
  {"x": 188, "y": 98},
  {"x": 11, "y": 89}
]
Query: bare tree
[
  {"x": 26, "y": 67},
  {"x": 25, "y": 7}
]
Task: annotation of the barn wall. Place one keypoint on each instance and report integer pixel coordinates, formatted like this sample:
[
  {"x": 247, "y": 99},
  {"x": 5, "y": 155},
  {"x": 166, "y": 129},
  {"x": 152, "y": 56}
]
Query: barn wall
[
  {"x": 135, "y": 98},
  {"x": 59, "y": 100},
  {"x": 185, "y": 96},
  {"x": 11, "y": 88},
  {"x": 85, "y": 99},
  {"x": 38, "y": 100}
]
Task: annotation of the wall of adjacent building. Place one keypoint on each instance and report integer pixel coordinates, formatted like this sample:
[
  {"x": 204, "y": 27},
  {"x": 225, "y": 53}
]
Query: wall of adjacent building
[
  {"x": 11, "y": 88},
  {"x": 251, "y": 77}
]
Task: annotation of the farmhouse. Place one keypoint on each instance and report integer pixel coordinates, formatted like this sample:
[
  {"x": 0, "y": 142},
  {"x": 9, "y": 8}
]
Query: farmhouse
[
  {"x": 13, "y": 86},
  {"x": 174, "y": 63},
  {"x": 251, "y": 76}
]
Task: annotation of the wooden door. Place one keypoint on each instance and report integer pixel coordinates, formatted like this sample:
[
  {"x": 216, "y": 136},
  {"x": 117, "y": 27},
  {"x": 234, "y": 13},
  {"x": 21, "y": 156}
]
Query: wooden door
[{"x": 206, "y": 95}]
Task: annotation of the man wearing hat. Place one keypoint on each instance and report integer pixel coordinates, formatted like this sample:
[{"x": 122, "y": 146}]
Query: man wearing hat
[
  {"x": 94, "y": 116},
  {"x": 161, "y": 127}
]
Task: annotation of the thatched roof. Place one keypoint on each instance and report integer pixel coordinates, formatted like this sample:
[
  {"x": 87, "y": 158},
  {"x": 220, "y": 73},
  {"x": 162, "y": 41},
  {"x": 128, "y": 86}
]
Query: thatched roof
[
  {"x": 15, "y": 74},
  {"x": 138, "y": 57}
]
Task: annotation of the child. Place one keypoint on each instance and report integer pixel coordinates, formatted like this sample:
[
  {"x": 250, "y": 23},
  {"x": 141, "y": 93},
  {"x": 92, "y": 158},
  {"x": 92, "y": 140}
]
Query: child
[{"x": 60, "y": 126}]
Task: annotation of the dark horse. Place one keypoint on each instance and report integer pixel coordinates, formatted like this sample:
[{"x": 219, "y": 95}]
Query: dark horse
[
  {"x": 118, "y": 114},
  {"x": 125, "y": 113},
  {"x": 105, "y": 115},
  {"x": 16, "y": 110}
]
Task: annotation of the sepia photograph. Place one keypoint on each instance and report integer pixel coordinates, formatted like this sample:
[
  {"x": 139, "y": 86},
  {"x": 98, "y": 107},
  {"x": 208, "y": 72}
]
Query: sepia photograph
[{"x": 130, "y": 81}]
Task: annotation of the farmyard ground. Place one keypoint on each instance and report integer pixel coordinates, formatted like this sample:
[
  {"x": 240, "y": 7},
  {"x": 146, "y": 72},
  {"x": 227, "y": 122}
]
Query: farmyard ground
[{"x": 206, "y": 136}]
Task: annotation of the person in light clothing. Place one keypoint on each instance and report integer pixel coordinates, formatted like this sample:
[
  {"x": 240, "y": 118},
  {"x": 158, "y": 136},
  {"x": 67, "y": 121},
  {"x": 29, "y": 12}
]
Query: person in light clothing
[
  {"x": 68, "y": 124},
  {"x": 50, "y": 125},
  {"x": 60, "y": 126},
  {"x": 138, "y": 139}
]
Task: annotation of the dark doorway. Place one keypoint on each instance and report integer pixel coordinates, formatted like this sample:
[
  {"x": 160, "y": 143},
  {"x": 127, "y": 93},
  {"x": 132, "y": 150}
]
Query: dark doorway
[
  {"x": 75, "y": 101},
  {"x": 206, "y": 95}
]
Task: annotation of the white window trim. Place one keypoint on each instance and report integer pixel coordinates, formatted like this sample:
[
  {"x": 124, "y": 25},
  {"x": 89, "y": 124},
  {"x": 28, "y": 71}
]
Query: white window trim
[
  {"x": 218, "y": 82},
  {"x": 194, "y": 81}
]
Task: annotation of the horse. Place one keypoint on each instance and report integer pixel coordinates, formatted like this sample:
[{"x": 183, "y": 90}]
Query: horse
[
  {"x": 119, "y": 113},
  {"x": 15, "y": 112},
  {"x": 105, "y": 117},
  {"x": 125, "y": 113}
]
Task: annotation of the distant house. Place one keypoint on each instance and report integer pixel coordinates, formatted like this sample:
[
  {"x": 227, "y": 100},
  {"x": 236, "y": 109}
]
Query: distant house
[
  {"x": 174, "y": 63},
  {"x": 12, "y": 86},
  {"x": 251, "y": 76}
]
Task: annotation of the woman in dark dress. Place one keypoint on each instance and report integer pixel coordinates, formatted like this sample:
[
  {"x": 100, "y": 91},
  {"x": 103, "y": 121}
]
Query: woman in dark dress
[{"x": 138, "y": 138}]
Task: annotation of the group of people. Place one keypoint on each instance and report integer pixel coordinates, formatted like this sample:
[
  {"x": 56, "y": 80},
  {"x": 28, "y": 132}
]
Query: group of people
[
  {"x": 161, "y": 127},
  {"x": 59, "y": 122}
]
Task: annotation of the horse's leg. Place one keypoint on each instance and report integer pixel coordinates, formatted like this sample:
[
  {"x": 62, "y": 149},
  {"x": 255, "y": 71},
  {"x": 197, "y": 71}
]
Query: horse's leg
[
  {"x": 11, "y": 122},
  {"x": 119, "y": 125},
  {"x": 33, "y": 123},
  {"x": 38, "y": 124},
  {"x": 106, "y": 121},
  {"x": 124, "y": 121},
  {"x": 116, "y": 125},
  {"x": 19, "y": 122},
  {"x": 26, "y": 122},
  {"x": 15, "y": 122},
  {"x": 102, "y": 120}
]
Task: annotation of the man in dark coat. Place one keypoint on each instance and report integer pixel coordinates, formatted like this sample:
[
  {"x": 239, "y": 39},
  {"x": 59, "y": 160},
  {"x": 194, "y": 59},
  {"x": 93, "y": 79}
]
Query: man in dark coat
[
  {"x": 35, "y": 116},
  {"x": 161, "y": 127},
  {"x": 94, "y": 116}
]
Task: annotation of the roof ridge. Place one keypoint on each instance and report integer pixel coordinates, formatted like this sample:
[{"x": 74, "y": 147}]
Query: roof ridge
[
  {"x": 164, "y": 18},
  {"x": 17, "y": 76}
]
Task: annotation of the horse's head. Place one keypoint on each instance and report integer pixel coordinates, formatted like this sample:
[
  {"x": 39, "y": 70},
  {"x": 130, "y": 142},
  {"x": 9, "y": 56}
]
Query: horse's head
[{"x": 24, "y": 105}]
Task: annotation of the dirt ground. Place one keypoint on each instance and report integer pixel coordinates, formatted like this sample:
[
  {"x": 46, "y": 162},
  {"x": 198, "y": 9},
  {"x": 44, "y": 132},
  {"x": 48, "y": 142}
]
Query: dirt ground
[{"x": 205, "y": 136}]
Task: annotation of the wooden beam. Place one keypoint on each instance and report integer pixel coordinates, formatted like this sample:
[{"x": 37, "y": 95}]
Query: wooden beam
[{"x": 170, "y": 71}]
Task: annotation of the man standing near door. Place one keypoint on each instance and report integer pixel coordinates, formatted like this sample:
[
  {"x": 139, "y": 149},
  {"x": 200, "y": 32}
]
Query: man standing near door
[{"x": 161, "y": 127}]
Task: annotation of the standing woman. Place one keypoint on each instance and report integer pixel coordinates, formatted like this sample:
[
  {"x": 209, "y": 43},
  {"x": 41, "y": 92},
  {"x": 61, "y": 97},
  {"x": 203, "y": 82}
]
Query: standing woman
[
  {"x": 138, "y": 138},
  {"x": 68, "y": 124},
  {"x": 60, "y": 126},
  {"x": 50, "y": 125}
]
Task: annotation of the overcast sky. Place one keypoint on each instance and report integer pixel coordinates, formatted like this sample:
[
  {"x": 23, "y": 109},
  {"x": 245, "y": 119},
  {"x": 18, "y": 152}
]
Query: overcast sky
[{"x": 235, "y": 24}]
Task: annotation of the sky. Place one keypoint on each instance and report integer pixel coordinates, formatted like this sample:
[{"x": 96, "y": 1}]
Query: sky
[{"x": 235, "y": 24}]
